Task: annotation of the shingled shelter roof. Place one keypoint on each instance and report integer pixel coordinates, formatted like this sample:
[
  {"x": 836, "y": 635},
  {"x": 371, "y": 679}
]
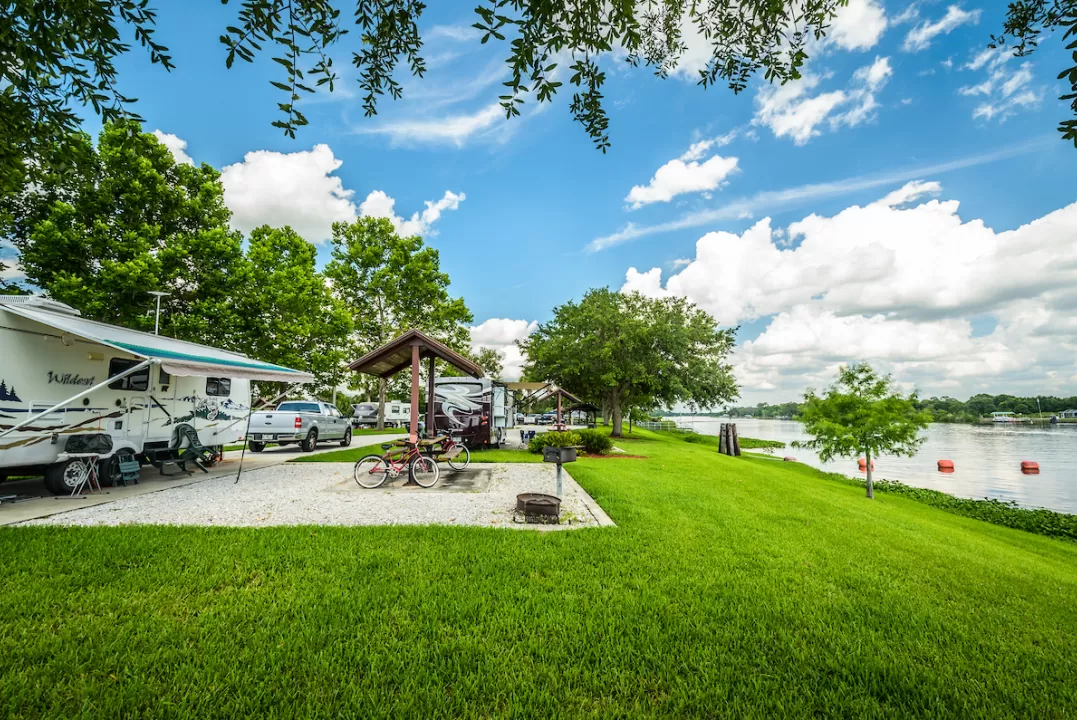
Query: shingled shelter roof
[{"x": 395, "y": 355}]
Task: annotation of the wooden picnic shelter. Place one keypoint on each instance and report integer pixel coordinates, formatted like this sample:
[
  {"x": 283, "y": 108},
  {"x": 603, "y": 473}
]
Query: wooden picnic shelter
[{"x": 410, "y": 349}]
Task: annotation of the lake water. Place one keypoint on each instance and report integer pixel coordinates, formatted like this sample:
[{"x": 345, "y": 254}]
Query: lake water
[{"x": 987, "y": 459}]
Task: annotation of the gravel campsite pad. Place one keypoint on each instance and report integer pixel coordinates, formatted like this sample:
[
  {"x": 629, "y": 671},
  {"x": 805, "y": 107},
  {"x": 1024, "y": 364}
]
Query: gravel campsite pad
[{"x": 326, "y": 494}]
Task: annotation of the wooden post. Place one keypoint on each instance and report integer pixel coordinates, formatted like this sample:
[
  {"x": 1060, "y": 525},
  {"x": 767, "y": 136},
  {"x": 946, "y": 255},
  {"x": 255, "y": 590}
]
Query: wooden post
[
  {"x": 735, "y": 441},
  {"x": 430, "y": 398},
  {"x": 721, "y": 439},
  {"x": 415, "y": 392}
]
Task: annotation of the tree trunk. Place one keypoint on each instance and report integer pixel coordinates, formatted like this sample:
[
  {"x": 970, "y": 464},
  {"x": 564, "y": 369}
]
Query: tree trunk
[
  {"x": 615, "y": 410},
  {"x": 382, "y": 386},
  {"x": 871, "y": 489}
]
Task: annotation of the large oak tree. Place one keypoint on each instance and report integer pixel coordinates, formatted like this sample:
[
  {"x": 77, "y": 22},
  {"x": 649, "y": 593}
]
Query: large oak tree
[
  {"x": 392, "y": 284},
  {"x": 630, "y": 350}
]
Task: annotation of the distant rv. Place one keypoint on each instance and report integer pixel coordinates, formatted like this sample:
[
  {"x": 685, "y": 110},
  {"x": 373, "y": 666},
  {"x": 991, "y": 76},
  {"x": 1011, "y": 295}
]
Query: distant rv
[{"x": 478, "y": 411}]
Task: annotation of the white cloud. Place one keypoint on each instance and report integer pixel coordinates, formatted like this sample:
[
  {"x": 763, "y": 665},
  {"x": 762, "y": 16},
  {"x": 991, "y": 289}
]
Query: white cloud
[
  {"x": 790, "y": 111},
  {"x": 910, "y": 191},
  {"x": 858, "y": 25},
  {"x": 1005, "y": 89},
  {"x": 891, "y": 283},
  {"x": 296, "y": 189},
  {"x": 920, "y": 37},
  {"x": 11, "y": 269},
  {"x": 175, "y": 145},
  {"x": 773, "y": 200},
  {"x": 379, "y": 204},
  {"x": 684, "y": 174},
  {"x": 300, "y": 190},
  {"x": 501, "y": 334},
  {"x": 453, "y": 129}
]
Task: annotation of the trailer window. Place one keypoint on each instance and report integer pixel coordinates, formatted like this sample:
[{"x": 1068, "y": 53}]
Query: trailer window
[
  {"x": 218, "y": 387},
  {"x": 135, "y": 381},
  {"x": 163, "y": 377}
]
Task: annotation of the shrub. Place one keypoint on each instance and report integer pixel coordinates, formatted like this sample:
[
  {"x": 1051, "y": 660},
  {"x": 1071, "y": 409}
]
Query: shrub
[
  {"x": 595, "y": 441},
  {"x": 554, "y": 439}
]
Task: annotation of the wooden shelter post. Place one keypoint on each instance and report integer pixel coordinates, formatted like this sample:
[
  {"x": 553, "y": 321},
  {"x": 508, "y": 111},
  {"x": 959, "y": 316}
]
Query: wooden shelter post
[
  {"x": 430, "y": 398},
  {"x": 415, "y": 392}
]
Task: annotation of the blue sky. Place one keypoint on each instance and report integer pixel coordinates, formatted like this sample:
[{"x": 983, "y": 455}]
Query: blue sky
[{"x": 528, "y": 215}]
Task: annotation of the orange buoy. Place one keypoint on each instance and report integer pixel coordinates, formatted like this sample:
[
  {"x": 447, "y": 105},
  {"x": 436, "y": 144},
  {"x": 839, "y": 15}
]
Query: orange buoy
[
  {"x": 1030, "y": 467},
  {"x": 862, "y": 464},
  {"x": 946, "y": 465},
  {"x": 789, "y": 458}
]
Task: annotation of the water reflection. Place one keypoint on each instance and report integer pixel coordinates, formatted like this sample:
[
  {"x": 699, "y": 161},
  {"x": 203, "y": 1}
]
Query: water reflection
[{"x": 987, "y": 459}]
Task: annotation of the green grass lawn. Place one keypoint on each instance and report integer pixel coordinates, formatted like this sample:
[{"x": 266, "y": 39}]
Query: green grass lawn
[{"x": 731, "y": 587}]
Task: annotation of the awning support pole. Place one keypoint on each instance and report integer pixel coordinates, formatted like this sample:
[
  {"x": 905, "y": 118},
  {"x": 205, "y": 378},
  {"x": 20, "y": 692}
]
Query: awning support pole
[
  {"x": 247, "y": 432},
  {"x": 73, "y": 398},
  {"x": 415, "y": 392}
]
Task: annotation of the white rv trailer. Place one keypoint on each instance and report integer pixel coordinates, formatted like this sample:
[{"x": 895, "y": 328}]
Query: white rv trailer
[
  {"x": 55, "y": 372},
  {"x": 477, "y": 411}
]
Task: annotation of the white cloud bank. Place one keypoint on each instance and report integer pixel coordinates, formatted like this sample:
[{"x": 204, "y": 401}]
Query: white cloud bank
[
  {"x": 300, "y": 190},
  {"x": 894, "y": 282},
  {"x": 792, "y": 111},
  {"x": 501, "y": 334},
  {"x": 685, "y": 174}
]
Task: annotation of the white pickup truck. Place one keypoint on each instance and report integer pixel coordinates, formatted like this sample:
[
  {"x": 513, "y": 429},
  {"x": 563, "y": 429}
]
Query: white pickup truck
[{"x": 306, "y": 422}]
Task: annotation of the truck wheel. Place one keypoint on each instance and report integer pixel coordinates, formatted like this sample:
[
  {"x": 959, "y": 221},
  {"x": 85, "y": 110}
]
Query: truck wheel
[
  {"x": 61, "y": 477},
  {"x": 256, "y": 446},
  {"x": 310, "y": 442},
  {"x": 347, "y": 438}
]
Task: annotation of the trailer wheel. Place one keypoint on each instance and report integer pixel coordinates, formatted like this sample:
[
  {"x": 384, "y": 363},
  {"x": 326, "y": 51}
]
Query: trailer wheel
[
  {"x": 62, "y": 477},
  {"x": 310, "y": 442},
  {"x": 109, "y": 473},
  {"x": 256, "y": 446}
]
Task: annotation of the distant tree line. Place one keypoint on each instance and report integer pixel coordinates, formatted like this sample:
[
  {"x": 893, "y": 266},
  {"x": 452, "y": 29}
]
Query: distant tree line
[{"x": 943, "y": 410}]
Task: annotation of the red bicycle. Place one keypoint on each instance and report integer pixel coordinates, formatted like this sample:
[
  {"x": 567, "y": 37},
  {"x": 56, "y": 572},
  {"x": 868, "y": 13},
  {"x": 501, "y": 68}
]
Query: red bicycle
[{"x": 372, "y": 470}]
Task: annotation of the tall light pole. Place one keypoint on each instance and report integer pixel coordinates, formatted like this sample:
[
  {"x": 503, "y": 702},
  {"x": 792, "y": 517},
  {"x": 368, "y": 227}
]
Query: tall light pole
[{"x": 157, "y": 316}]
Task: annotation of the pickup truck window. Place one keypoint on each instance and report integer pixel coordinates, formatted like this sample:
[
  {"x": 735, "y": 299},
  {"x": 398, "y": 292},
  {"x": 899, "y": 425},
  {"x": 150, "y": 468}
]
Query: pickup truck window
[
  {"x": 218, "y": 387},
  {"x": 299, "y": 407}
]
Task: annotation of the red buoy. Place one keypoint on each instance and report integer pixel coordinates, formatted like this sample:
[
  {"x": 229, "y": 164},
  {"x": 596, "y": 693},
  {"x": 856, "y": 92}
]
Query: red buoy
[
  {"x": 862, "y": 464},
  {"x": 946, "y": 466},
  {"x": 1030, "y": 467}
]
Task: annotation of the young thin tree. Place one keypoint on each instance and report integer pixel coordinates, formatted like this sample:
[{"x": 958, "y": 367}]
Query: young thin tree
[
  {"x": 862, "y": 414},
  {"x": 392, "y": 284}
]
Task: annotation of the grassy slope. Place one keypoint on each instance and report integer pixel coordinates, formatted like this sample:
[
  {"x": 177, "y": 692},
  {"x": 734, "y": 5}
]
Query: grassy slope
[{"x": 731, "y": 586}]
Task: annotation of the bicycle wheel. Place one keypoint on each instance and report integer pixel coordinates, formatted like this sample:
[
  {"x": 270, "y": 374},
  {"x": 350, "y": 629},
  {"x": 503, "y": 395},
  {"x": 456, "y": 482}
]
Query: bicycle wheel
[
  {"x": 424, "y": 471},
  {"x": 371, "y": 471},
  {"x": 462, "y": 460}
]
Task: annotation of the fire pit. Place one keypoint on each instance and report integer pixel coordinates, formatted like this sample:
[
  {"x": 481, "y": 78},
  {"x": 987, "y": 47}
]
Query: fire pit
[{"x": 538, "y": 508}]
